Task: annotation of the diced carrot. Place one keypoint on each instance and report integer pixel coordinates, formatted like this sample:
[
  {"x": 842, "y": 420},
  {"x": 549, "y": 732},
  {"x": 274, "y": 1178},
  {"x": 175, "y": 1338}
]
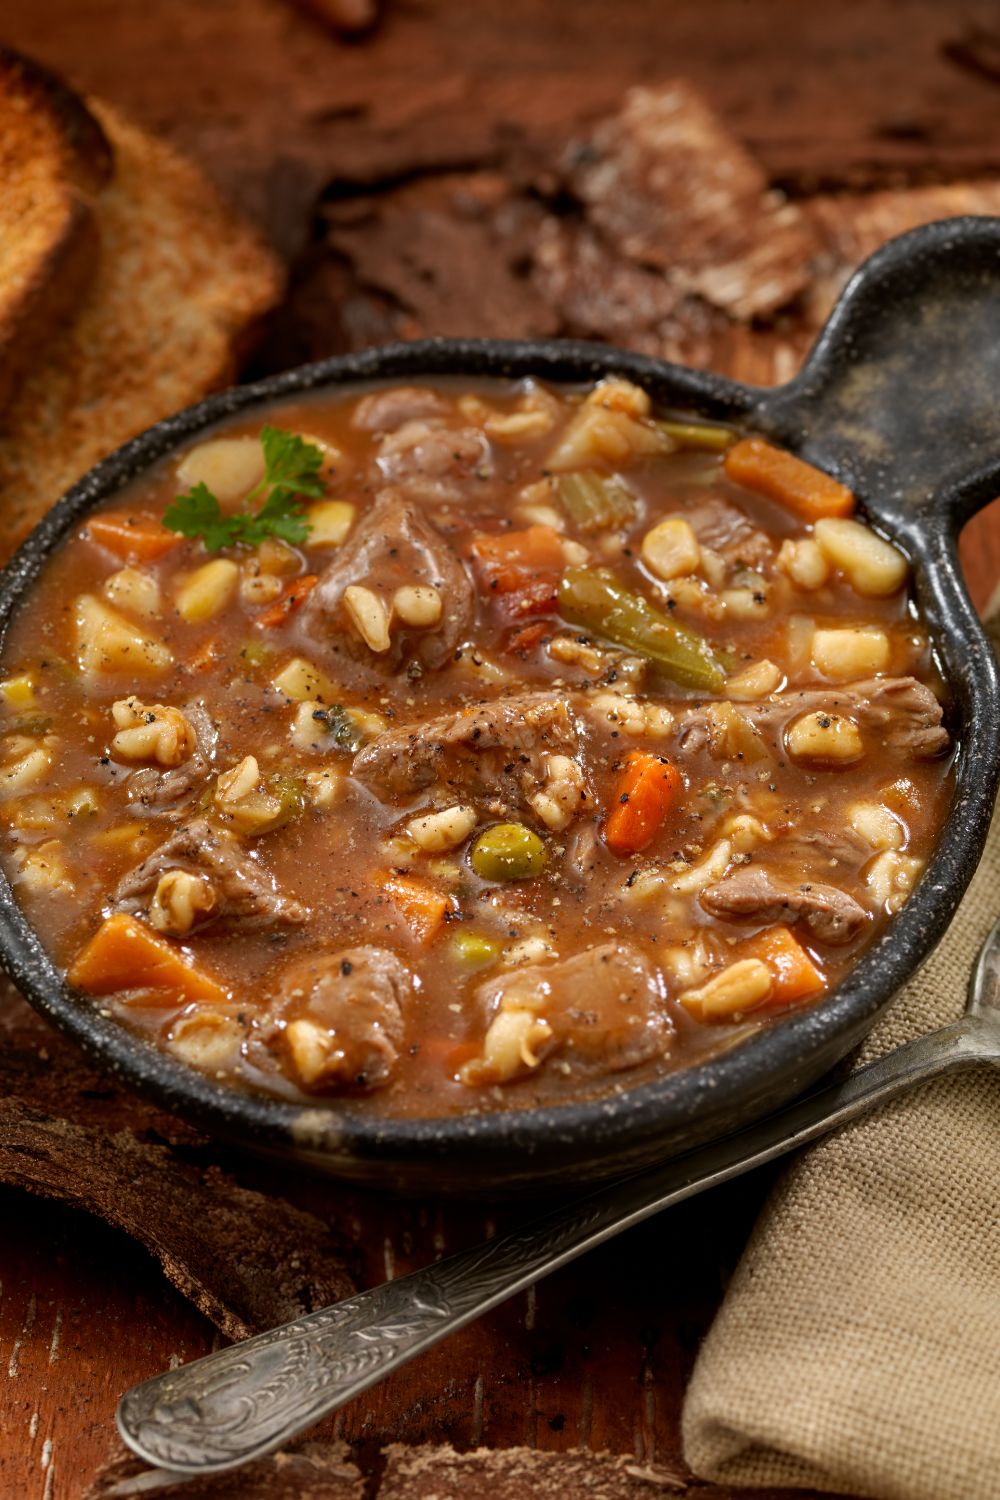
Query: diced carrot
[
  {"x": 125, "y": 954},
  {"x": 421, "y": 904},
  {"x": 644, "y": 794},
  {"x": 293, "y": 598},
  {"x": 521, "y": 568},
  {"x": 781, "y": 476},
  {"x": 795, "y": 974},
  {"x": 131, "y": 534}
]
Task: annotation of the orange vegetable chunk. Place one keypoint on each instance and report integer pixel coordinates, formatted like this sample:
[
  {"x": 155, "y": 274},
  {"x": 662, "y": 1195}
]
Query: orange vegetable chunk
[
  {"x": 129, "y": 534},
  {"x": 423, "y": 907},
  {"x": 293, "y": 598},
  {"x": 644, "y": 793},
  {"x": 509, "y": 559},
  {"x": 795, "y": 974},
  {"x": 125, "y": 954},
  {"x": 781, "y": 476}
]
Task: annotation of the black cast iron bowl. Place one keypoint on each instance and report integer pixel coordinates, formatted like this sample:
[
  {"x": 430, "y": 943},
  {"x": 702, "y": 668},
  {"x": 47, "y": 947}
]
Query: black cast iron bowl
[{"x": 900, "y": 398}]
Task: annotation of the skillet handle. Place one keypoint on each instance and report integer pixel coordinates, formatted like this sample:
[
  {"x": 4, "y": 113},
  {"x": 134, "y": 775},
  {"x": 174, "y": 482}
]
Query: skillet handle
[{"x": 900, "y": 396}]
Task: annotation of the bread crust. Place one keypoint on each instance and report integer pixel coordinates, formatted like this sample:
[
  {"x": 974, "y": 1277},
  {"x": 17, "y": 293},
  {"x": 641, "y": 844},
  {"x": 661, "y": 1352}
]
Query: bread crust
[{"x": 55, "y": 160}]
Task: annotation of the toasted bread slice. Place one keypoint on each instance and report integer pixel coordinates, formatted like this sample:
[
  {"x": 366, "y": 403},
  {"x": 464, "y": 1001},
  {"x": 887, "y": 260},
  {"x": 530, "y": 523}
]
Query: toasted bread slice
[
  {"x": 54, "y": 161},
  {"x": 180, "y": 282}
]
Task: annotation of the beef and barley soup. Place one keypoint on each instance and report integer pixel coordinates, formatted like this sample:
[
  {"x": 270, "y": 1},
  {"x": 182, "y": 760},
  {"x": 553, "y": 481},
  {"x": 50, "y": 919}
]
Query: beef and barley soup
[{"x": 451, "y": 748}]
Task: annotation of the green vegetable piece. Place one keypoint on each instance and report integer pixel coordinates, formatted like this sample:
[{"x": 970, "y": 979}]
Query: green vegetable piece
[
  {"x": 36, "y": 724},
  {"x": 595, "y": 599},
  {"x": 593, "y": 501},
  {"x": 290, "y": 792},
  {"x": 701, "y": 435},
  {"x": 343, "y": 730},
  {"x": 291, "y": 470},
  {"x": 508, "y": 851},
  {"x": 473, "y": 950}
]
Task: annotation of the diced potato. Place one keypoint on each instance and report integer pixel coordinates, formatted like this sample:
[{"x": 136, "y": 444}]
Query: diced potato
[
  {"x": 82, "y": 802},
  {"x": 134, "y": 590},
  {"x": 872, "y": 567},
  {"x": 877, "y": 825},
  {"x": 739, "y": 988},
  {"x": 207, "y": 591},
  {"x": 804, "y": 562},
  {"x": 671, "y": 550},
  {"x": 107, "y": 643},
  {"x": 891, "y": 878},
  {"x": 437, "y": 831},
  {"x": 299, "y": 680},
  {"x": 745, "y": 832},
  {"x": 229, "y": 466},
  {"x": 848, "y": 653},
  {"x": 610, "y": 427},
  {"x": 135, "y": 839},
  {"x": 329, "y": 522},
  {"x": 369, "y": 617},
  {"x": 824, "y": 738}
]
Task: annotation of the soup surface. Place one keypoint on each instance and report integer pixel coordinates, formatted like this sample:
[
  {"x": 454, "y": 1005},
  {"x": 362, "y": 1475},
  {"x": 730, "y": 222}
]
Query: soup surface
[{"x": 444, "y": 749}]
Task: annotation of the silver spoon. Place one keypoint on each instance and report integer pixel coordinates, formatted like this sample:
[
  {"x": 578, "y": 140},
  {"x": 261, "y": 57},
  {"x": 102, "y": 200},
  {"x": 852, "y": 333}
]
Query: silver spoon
[{"x": 247, "y": 1399}]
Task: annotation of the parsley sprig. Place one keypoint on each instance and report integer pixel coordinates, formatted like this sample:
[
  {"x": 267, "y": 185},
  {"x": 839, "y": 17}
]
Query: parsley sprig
[{"x": 291, "y": 471}]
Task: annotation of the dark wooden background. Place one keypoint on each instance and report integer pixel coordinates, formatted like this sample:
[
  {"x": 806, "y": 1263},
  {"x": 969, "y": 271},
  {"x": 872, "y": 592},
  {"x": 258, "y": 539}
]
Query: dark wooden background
[{"x": 859, "y": 95}]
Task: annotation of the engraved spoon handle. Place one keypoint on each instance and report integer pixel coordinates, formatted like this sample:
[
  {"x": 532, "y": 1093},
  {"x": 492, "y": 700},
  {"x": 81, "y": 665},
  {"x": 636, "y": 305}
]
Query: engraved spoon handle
[{"x": 247, "y": 1399}]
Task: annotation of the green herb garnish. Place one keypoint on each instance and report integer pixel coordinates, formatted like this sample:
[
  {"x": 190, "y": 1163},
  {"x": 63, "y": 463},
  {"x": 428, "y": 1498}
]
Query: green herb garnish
[{"x": 291, "y": 470}]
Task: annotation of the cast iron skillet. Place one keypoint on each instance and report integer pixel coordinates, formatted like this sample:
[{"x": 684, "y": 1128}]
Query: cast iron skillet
[{"x": 900, "y": 398}]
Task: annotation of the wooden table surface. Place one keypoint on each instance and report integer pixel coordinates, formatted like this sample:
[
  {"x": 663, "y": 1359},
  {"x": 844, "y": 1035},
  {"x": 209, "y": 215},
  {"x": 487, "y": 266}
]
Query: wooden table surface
[{"x": 860, "y": 95}]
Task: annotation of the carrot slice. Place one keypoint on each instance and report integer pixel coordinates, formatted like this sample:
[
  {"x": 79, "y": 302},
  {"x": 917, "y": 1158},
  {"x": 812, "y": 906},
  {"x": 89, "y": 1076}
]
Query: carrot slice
[
  {"x": 781, "y": 476},
  {"x": 646, "y": 790},
  {"x": 130, "y": 534},
  {"x": 795, "y": 974},
  {"x": 125, "y": 954},
  {"x": 421, "y": 904},
  {"x": 293, "y": 598}
]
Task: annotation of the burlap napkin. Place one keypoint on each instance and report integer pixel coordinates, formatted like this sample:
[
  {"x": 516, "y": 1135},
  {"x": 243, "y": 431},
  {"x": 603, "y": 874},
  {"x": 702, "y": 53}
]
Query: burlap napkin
[{"x": 858, "y": 1347}]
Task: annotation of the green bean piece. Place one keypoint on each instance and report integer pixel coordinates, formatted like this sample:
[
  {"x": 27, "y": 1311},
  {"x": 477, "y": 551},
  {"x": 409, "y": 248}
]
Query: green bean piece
[
  {"x": 592, "y": 501},
  {"x": 474, "y": 950},
  {"x": 595, "y": 599},
  {"x": 701, "y": 435},
  {"x": 508, "y": 851}
]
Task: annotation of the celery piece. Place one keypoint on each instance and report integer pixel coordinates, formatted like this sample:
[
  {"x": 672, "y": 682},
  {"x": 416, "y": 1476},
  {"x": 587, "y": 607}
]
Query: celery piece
[
  {"x": 592, "y": 501},
  {"x": 473, "y": 950},
  {"x": 699, "y": 435},
  {"x": 290, "y": 793},
  {"x": 595, "y": 599}
]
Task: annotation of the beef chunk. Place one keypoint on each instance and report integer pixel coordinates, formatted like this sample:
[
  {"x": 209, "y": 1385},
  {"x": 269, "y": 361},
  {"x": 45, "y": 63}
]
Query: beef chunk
[
  {"x": 755, "y": 895},
  {"x": 338, "y": 1018},
  {"x": 245, "y": 895},
  {"x": 432, "y": 462},
  {"x": 899, "y": 712},
  {"x": 384, "y": 411},
  {"x": 169, "y": 793},
  {"x": 604, "y": 1007},
  {"x": 729, "y": 532},
  {"x": 491, "y": 750},
  {"x": 393, "y": 546}
]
